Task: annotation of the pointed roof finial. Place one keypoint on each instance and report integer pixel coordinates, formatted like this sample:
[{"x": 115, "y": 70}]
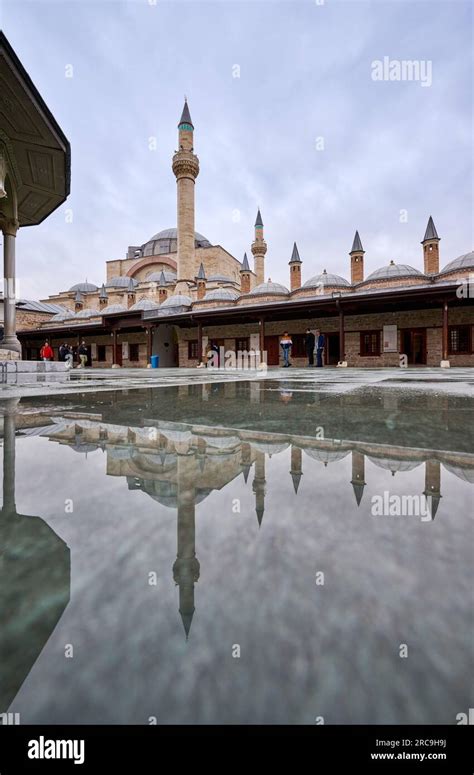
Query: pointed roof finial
[
  {"x": 103, "y": 292},
  {"x": 357, "y": 244},
  {"x": 430, "y": 232},
  {"x": 201, "y": 275},
  {"x": 245, "y": 264},
  {"x": 162, "y": 280},
  {"x": 186, "y": 116},
  {"x": 258, "y": 221},
  {"x": 295, "y": 256},
  {"x": 131, "y": 286}
]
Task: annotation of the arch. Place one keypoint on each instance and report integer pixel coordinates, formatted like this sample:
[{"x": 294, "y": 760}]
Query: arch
[{"x": 152, "y": 261}]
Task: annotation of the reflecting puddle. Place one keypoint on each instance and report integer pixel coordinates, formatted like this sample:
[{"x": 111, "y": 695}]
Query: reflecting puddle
[{"x": 237, "y": 553}]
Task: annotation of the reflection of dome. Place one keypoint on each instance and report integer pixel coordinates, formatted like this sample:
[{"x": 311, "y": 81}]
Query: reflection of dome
[
  {"x": 144, "y": 304},
  {"x": 164, "y": 492},
  {"x": 466, "y": 474},
  {"x": 178, "y": 300},
  {"x": 270, "y": 447},
  {"x": 84, "y": 288},
  {"x": 459, "y": 264},
  {"x": 326, "y": 280},
  {"x": 166, "y": 241},
  {"x": 111, "y": 309},
  {"x": 221, "y": 442},
  {"x": 155, "y": 277},
  {"x": 391, "y": 464},
  {"x": 326, "y": 455},
  {"x": 121, "y": 282},
  {"x": 394, "y": 272},
  {"x": 221, "y": 294},
  {"x": 175, "y": 434},
  {"x": 269, "y": 289},
  {"x": 84, "y": 446}
]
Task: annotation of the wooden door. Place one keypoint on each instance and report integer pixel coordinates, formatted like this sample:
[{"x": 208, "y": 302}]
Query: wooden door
[
  {"x": 272, "y": 348},
  {"x": 118, "y": 354}
]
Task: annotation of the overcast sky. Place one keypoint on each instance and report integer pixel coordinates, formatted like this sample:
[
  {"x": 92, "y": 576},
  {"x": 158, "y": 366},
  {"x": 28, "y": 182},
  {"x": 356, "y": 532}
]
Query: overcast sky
[{"x": 304, "y": 132}]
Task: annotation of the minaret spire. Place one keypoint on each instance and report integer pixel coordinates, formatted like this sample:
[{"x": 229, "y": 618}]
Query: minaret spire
[
  {"x": 430, "y": 244},
  {"x": 259, "y": 248},
  {"x": 186, "y": 169}
]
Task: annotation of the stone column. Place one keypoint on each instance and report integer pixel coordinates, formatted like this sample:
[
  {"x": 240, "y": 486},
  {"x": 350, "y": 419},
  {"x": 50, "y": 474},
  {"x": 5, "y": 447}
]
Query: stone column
[
  {"x": 445, "y": 362},
  {"x": 10, "y": 340}
]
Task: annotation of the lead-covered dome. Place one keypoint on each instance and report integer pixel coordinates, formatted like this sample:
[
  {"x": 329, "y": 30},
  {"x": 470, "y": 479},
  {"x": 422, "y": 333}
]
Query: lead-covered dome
[
  {"x": 112, "y": 309},
  {"x": 178, "y": 300},
  {"x": 460, "y": 264},
  {"x": 394, "y": 272},
  {"x": 269, "y": 289},
  {"x": 144, "y": 304},
  {"x": 84, "y": 288},
  {"x": 221, "y": 294},
  {"x": 87, "y": 313},
  {"x": 166, "y": 241},
  {"x": 326, "y": 280},
  {"x": 121, "y": 281},
  {"x": 155, "y": 277}
]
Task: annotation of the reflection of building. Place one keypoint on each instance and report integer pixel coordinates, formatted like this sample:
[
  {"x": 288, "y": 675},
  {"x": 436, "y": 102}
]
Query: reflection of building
[
  {"x": 34, "y": 578},
  {"x": 180, "y": 464},
  {"x": 176, "y": 292}
]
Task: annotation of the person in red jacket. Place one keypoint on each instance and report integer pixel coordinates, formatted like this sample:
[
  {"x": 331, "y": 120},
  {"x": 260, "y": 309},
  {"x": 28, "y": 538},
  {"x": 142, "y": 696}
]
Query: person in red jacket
[{"x": 46, "y": 352}]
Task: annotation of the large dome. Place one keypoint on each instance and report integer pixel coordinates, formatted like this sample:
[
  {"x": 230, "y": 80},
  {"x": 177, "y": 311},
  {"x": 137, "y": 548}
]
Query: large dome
[{"x": 166, "y": 241}]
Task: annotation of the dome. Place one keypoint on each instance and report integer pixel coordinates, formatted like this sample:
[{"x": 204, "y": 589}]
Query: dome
[
  {"x": 220, "y": 278},
  {"x": 60, "y": 316},
  {"x": 325, "y": 279},
  {"x": 84, "y": 288},
  {"x": 392, "y": 464},
  {"x": 87, "y": 313},
  {"x": 144, "y": 304},
  {"x": 120, "y": 282},
  {"x": 155, "y": 277},
  {"x": 394, "y": 272},
  {"x": 166, "y": 241},
  {"x": 466, "y": 474},
  {"x": 179, "y": 300},
  {"x": 112, "y": 308},
  {"x": 269, "y": 289},
  {"x": 326, "y": 455},
  {"x": 221, "y": 294},
  {"x": 459, "y": 264}
]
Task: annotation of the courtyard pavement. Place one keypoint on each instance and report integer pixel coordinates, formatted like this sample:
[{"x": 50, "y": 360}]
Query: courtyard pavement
[{"x": 330, "y": 379}]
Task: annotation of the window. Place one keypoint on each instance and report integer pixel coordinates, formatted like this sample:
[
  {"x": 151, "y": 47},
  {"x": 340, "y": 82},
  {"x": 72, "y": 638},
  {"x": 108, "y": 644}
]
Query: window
[
  {"x": 370, "y": 343},
  {"x": 101, "y": 352},
  {"x": 459, "y": 339},
  {"x": 242, "y": 345},
  {"x": 193, "y": 354},
  {"x": 134, "y": 352}
]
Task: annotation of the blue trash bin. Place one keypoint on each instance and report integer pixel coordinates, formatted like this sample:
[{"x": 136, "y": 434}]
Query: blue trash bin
[{"x": 155, "y": 361}]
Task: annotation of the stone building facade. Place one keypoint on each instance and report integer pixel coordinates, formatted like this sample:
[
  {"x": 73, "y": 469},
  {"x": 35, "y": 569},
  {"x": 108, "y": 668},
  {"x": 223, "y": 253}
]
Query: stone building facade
[{"x": 176, "y": 294}]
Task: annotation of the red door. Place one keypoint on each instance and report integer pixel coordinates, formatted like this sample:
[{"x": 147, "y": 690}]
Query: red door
[
  {"x": 273, "y": 350},
  {"x": 118, "y": 354}
]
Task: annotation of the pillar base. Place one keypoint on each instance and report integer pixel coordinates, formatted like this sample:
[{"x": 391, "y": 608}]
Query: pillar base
[
  {"x": 445, "y": 364},
  {"x": 9, "y": 354}
]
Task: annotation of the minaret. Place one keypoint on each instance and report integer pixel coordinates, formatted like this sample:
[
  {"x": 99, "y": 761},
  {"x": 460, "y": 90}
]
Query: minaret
[
  {"x": 295, "y": 269},
  {"x": 162, "y": 289},
  {"x": 103, "y": 296},
  {"x": 357, "y": 260},
  {"x": 258, "y": 485},
  {"x": 186, "y": 568},
  {"x": 259, "y": 248},
  {"x": 296, "y": 466},
  {"x": 358, "y": 474},
  {"x": 432, "y": 491},
  {"x": 131, "y": 293},
  {"x": 245, "y": 276},
  {"x": 201, "y": 283},
  {"x": 246, "y": 459},
  {"x": 78, "y": 301},
  {"x": 430, "y": 244},
  {"x": 186, "y": 169}
]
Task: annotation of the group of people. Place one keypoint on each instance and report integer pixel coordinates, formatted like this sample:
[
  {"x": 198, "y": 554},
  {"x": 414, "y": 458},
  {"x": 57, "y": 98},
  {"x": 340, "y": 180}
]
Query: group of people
[
  {"x": 313, "y": 343},
  {"x": 66, "y": 354}
]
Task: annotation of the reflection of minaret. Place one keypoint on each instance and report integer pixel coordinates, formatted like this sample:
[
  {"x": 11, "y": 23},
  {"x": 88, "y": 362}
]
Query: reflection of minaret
[
  {"x": 296, "y": 466},
  {"x": 186, "y": 566},
  {"x": 246, "y": 459},
  {"x": 258, "y": 485},
  {"x": 433, "y": 485},
  {"x": 358, "y": 475}
]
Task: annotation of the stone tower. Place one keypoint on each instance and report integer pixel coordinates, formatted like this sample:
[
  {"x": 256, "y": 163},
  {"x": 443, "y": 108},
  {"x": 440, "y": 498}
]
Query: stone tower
[
  {"x": 430, "y": 244},
  {"x": 259, "y": 248},
  {"x": 357, "y": 260},
  {"x": 245, "y": 276},
  {"x": 186, "y": 170},
  {"x": 295, "y": 269},
  {"x": 201, "y": 282}
]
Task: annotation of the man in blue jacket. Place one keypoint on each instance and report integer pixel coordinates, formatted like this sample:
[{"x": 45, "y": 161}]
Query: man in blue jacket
[{"x": 319, "y": 347}]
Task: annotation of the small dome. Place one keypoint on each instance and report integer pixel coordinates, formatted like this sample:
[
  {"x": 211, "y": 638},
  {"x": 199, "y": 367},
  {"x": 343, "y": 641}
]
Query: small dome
[
  {"x": 179, "y": 300},
  {"x": 84, "y": 288},
  {"x": 112, "y": 308},
  {"x": 121, "y": 282},
  {"x": 154, "y": 277},
  {"x": 221, "y": 294},
  {"x": 393, "y": 272},
  {"x": 220, "y": 278},
  {"x": 269, "y": 289},
  {"x": 60, "y": 316},
  {"x": 459, "y": 264},
  {"x": 325, "y": 279},
  {"x": 144, "y": 304},
  {"x": 87, "y": 313}
]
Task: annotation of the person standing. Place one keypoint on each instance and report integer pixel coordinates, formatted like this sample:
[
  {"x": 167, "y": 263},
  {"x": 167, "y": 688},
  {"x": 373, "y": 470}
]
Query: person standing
[
  {"x": 83, "y": 354},
  {"x": 309, "y": 342},
  {"x": 286, "y": 345},
  {"x": 320, "y": 342},
  {"x": 69, "y": 357},
  {"x": 46, "y": 352}
]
